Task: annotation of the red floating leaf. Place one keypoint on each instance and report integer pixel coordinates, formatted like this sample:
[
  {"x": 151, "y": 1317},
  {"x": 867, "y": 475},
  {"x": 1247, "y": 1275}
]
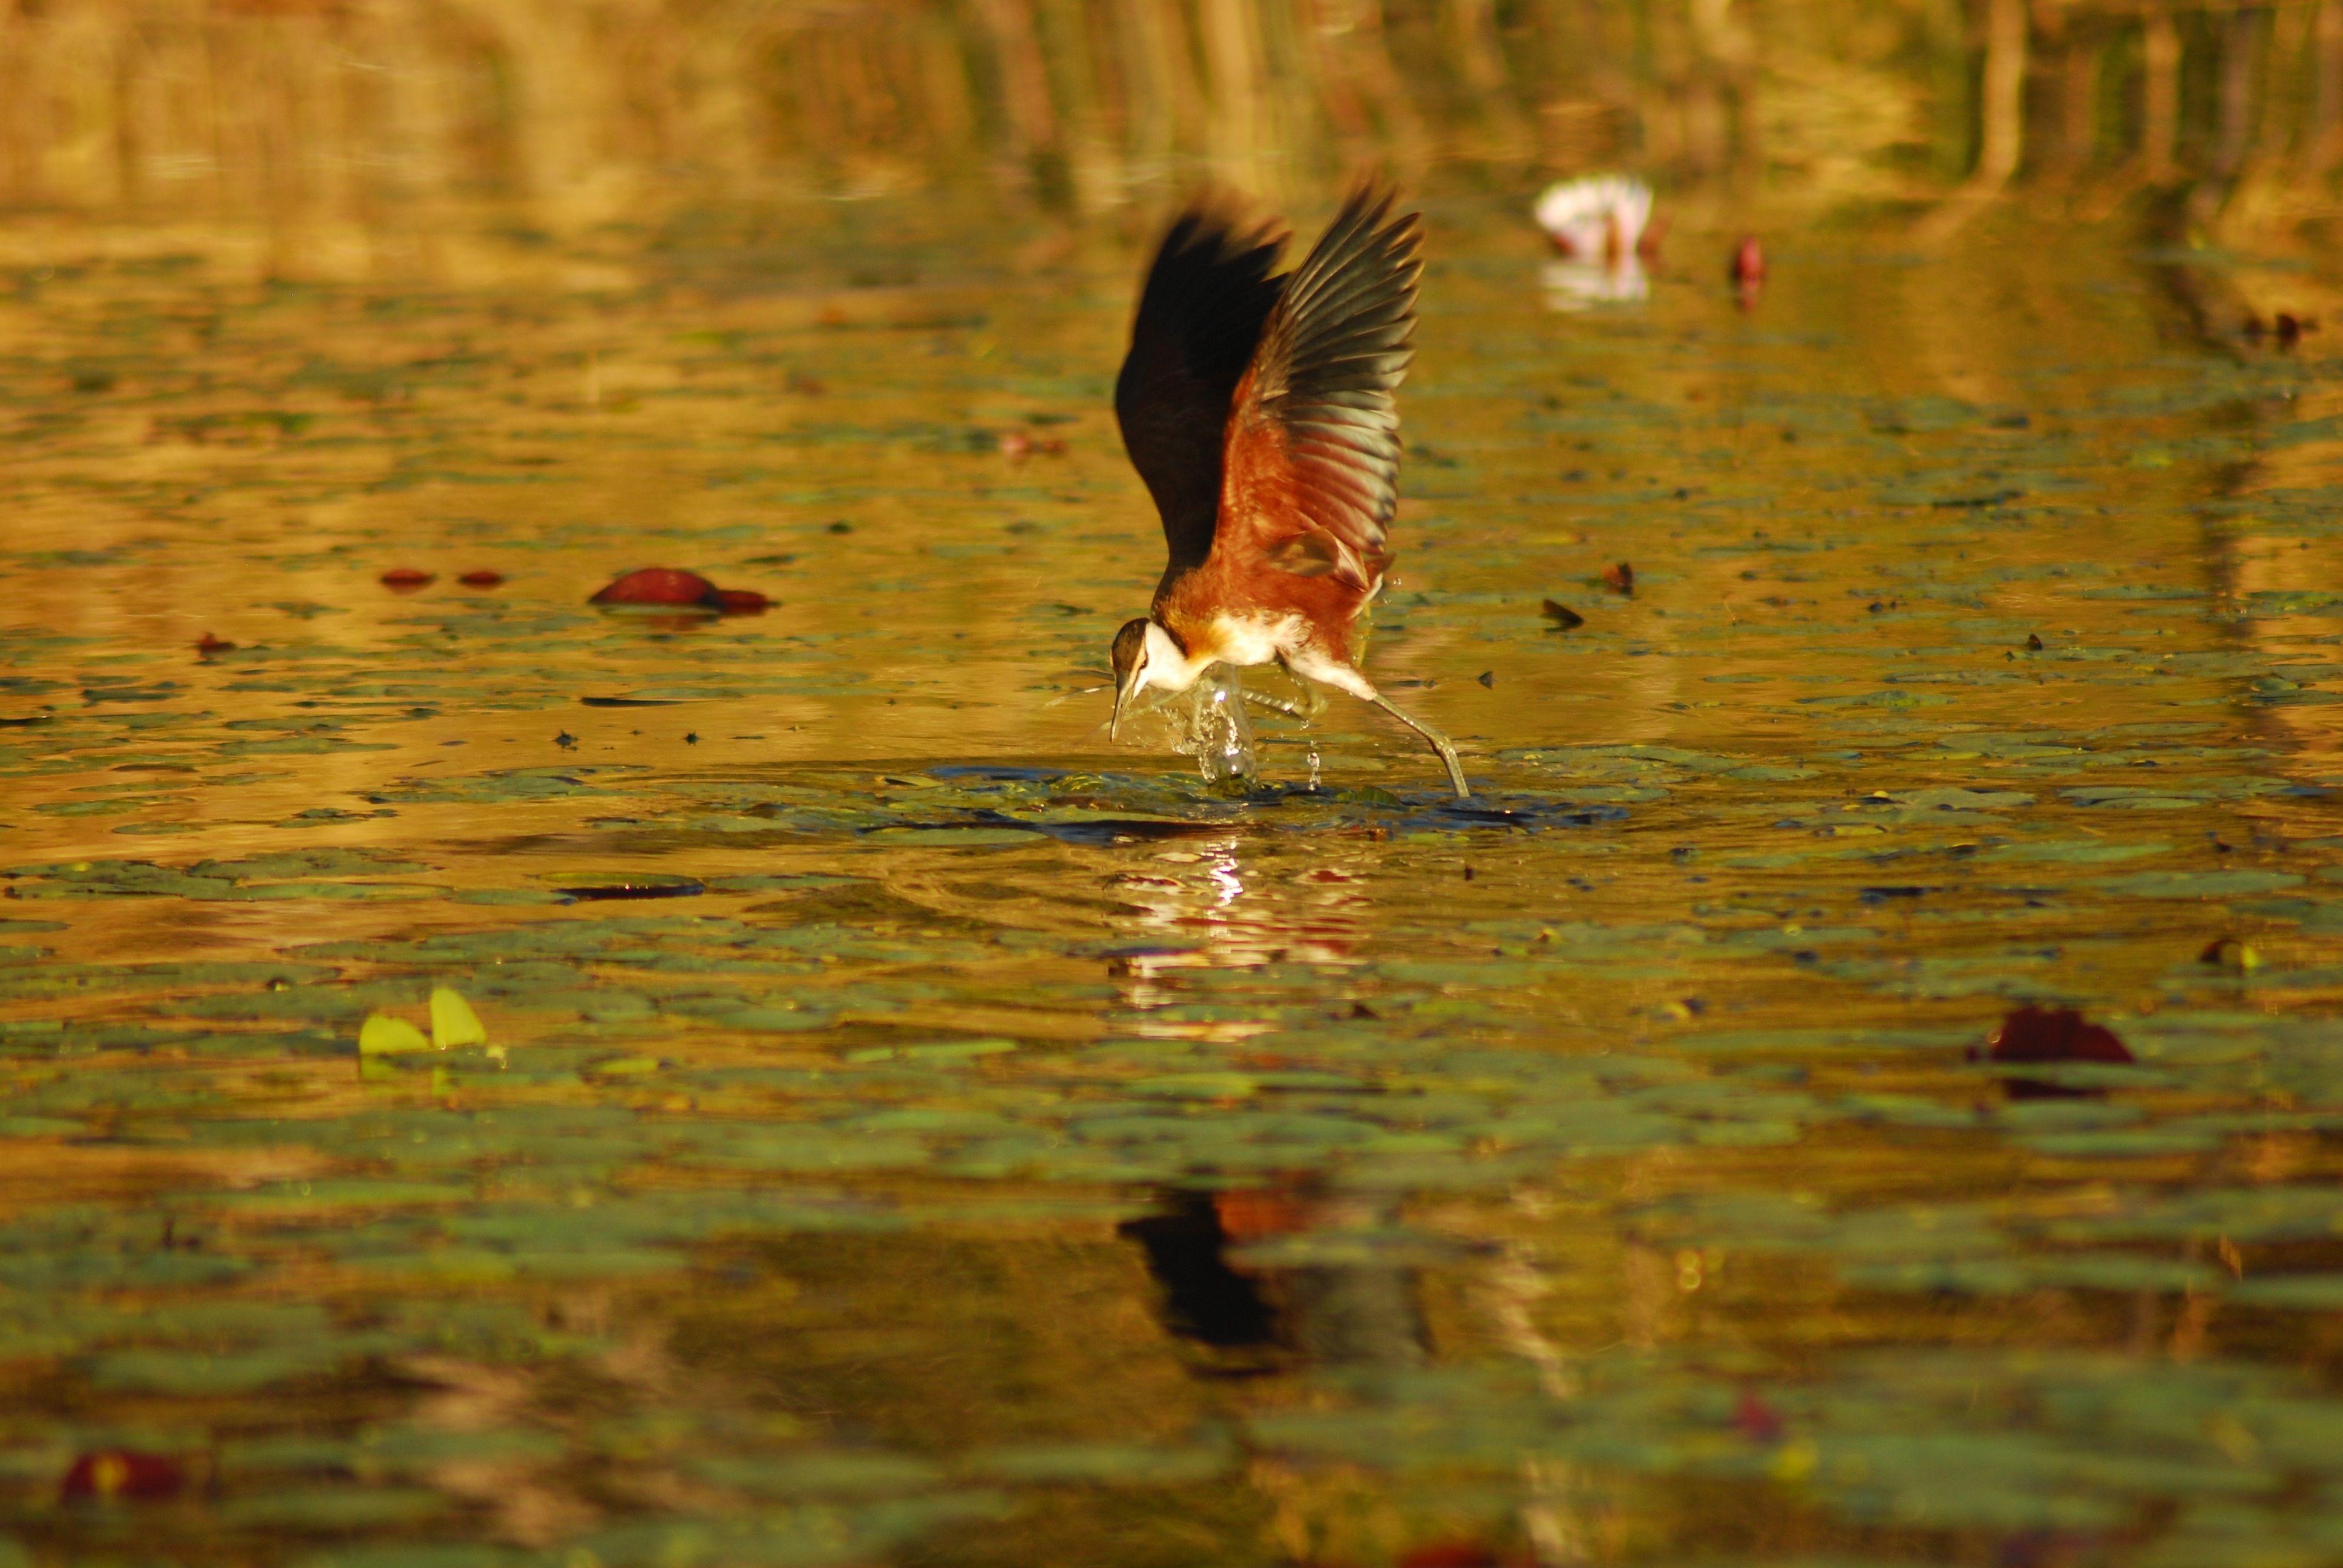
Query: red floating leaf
[
  {"x": 1749, "y": 262},
  {"x": 208, "y": 645},
  {"x": 1619, "y": 578},
  {"x": 122, "y": 1473},
  {"x": 2053, "y": 1034},
  {"x": 660, "y": 586},
  {"x": 742, "y": 601},
  {"x": 1756, "y": 1420},
  {"x": 404, "y": 580},
  {"x": 481, "y": 580},
  {"x": 1453, "y": 1554}
]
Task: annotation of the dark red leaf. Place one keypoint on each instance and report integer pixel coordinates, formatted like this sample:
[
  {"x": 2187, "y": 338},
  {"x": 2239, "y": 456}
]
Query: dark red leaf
[
  {"x": 2053, "y": 1034},
  {"x": 1619, "y": 578},
  {"x": 404, "y": 580},
  {"x": 209, "y": 645},
  {"x": 481, "y": 580},
  {"x": 742, "y": 601},
  {"x": 1453, "y": 1554},
  {"x": 122, "y": 1473},
  {"x": 660, "y": 586},
  {"x": 1756, "y": 1420}
]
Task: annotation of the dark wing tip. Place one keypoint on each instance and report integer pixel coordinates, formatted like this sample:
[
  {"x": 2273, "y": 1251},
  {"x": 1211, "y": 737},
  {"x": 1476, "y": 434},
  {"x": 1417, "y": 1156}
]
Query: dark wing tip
[
  {"x": 1209, "y": 286},
  {"x": 1207, "y": 291},
  {"x": 1220, "y": 217}
]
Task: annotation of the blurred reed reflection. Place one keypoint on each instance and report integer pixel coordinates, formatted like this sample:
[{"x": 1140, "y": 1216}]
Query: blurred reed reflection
[{"x": 362, "y": 116}]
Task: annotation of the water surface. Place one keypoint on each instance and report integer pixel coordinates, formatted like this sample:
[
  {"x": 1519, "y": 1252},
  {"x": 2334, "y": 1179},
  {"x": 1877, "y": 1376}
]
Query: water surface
[{"x": 911, "y": 1130}]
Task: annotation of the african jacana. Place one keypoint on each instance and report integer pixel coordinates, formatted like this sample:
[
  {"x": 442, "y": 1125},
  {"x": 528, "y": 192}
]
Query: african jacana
[{"x": 1259, "y": 408}]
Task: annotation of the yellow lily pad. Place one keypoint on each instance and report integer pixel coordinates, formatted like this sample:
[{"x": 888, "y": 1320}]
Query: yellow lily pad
[
  {"x": 453, "y": 1021},
  {"x": 383, "y": 1035}
]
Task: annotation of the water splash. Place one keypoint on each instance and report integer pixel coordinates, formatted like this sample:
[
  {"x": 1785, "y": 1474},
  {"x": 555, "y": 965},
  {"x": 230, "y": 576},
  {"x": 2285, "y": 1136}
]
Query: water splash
[{"x": 1214, "y": 729}]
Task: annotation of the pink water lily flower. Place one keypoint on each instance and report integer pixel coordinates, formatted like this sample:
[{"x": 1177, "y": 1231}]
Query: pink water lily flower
[{"x": 1604, "y": 219}]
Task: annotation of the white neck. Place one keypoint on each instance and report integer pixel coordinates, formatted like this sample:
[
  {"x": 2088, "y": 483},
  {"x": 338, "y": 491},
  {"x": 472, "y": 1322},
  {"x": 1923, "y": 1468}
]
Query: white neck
[{"x": 1169, "y": 668}]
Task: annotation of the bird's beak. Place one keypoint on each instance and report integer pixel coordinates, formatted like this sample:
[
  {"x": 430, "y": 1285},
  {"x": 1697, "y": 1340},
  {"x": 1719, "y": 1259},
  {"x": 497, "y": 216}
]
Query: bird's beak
[{"x": 1124, "y": 690}]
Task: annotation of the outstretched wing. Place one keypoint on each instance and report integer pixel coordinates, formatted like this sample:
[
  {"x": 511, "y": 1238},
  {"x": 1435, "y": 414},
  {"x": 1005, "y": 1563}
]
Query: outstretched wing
[
  {"x": 1200, "y": 317},
  {"x": 1313, "y": 455}
]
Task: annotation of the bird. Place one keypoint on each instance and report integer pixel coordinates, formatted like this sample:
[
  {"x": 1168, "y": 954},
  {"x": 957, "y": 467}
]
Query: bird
[{"x": 1259, "y": 408}]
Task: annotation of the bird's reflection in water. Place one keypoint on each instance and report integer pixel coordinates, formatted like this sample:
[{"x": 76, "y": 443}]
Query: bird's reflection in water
[
  {"x": 1360, "y": 1315},
  {"x": 1204, "y": 909},
  {"x": 1199, "y": 907},
  {"x": 1246, "y": 1317},
  {"x": 1292, "y": 1273},
  {"x": 1573, "y": 286}
]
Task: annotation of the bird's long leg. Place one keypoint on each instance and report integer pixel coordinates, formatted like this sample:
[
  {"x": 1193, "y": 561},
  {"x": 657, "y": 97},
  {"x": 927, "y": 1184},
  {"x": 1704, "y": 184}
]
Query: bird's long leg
[
  {"x": 1277, "y": 705},
  {"x": 1313, "y": 664},
  {"x": 1439, "y": 742}
]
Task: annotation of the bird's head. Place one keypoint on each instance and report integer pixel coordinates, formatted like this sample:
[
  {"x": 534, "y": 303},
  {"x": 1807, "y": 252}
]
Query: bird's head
[{"x": 1145, "y": 656}]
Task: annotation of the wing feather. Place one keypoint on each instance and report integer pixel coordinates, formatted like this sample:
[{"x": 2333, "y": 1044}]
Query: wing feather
[
  {"x": 1201, "y": 312},
  {"x": 1314, "y": 440}
]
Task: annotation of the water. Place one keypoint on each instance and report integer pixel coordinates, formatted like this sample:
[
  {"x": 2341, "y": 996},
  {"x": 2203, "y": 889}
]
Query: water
[
  {"x": 1217, "y": 729},
  {"x": 910, "y": 1131}
]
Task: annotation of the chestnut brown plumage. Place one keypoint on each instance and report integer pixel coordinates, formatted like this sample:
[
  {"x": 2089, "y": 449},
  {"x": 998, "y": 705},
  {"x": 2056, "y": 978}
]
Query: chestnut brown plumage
[{"x": 1260, "y": 410}]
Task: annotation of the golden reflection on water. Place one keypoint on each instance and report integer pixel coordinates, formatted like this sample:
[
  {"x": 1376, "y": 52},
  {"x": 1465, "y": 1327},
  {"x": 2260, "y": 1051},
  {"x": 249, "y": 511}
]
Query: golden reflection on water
[{"x": 346, "y": 140}]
